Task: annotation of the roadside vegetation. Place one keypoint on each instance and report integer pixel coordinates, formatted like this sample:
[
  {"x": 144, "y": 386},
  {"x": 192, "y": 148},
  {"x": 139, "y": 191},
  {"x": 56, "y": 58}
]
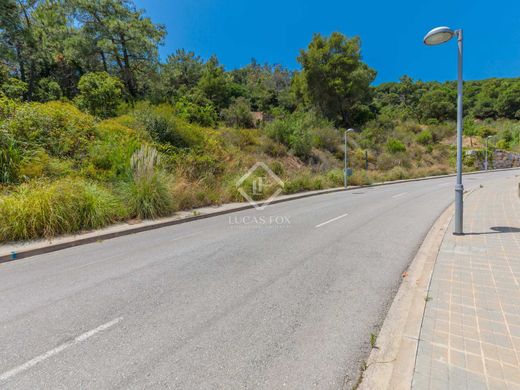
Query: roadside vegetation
[{"x": 94, "y": 129}]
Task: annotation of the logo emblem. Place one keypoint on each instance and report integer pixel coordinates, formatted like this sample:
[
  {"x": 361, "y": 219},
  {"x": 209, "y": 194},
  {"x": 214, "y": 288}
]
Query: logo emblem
[{"x": 258, "y": 185}]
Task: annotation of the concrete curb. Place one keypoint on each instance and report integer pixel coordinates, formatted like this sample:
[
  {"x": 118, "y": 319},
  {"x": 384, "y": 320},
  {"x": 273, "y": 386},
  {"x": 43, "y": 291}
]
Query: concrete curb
[
  {"x": 391, "y": 364},
  {"x": 18, "y": 251}
]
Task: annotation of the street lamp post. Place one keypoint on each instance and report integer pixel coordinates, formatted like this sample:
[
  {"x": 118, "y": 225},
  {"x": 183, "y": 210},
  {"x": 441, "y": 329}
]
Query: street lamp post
[
  {"x": 487, "y": 147},
  {"x": 345, "y": 174},
  {"x": 438, "y": 36}
]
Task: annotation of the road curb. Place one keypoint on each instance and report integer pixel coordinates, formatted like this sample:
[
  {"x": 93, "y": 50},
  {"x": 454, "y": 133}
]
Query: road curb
[
  {"x": 391, "y": 364},
  {"x": 18, "y": 252}
]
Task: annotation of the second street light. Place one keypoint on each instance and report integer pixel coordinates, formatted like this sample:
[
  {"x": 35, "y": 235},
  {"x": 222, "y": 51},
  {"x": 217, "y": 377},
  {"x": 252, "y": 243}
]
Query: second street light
[
  {"x": 438, "y": 36},
  {"x": 345, "y": 170},
  {"x": 486, "y": 162}
]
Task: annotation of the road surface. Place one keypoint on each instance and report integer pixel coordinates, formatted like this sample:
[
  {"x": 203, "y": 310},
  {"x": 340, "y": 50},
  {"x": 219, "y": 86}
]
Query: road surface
[{"x": 284, "y": 297}]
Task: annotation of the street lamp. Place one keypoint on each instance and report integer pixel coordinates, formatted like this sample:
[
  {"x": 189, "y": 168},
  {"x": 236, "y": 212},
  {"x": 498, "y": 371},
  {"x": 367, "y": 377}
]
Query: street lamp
[
  {"x": 438, "y": 36},
  {"x": 345, "y": 175},
  {"x": 486, "y": 161}
]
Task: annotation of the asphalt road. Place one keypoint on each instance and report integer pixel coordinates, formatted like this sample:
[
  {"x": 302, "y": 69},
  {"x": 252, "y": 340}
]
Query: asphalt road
[{"x": 285, "y": 297}]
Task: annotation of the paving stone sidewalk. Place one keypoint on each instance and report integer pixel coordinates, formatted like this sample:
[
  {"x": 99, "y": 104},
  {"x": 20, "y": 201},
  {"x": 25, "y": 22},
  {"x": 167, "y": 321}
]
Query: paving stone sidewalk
[{"x": 470, "y": 336}]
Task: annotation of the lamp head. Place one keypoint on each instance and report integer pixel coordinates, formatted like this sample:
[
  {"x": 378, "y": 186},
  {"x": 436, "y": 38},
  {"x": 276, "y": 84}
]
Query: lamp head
[{"x": 438, "y": 35}]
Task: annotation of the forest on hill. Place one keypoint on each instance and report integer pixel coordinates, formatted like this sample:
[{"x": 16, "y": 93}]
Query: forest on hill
[{"x": 96, "y": 129}]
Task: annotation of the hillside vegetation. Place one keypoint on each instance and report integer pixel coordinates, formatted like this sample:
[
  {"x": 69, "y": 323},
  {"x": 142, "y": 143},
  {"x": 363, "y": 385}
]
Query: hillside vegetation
[{"x": 94, "y": 129}]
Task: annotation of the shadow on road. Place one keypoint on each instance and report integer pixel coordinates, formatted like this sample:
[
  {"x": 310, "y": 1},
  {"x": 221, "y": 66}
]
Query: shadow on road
[{"x": 497, "y": 230}]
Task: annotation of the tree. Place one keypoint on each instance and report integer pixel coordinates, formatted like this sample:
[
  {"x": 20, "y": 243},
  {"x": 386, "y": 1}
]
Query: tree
[
  {"x": 100, "y": 94},
  {"x": 179, "y": 75},
  {"x": 216, "y": 85},
  {"x": 337, "y": 81},
  {"x": 17, "y": 39},
  {"x": 48, "y": 90},
  {"x": 438, "y": 103},
  {"x": 267, "y": 86},
  {"x": 125, "y": 40},
  {"x": 508, "y": 102}
]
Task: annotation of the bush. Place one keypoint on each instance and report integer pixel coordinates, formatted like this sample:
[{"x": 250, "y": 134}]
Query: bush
[
  {"x": 303, "y": 182},
  {"x": 280, "y": 130},
  {"x": 395, "y": 146},
  {"x": 327, "y": 138},
  {"x": 99, "y": 94},
  {"x": 301, "y": 142},
  {"x": 110, "y": 154},
  {"x": 147, "y": 195},
  {"x": 40, "y": 164},
  {"x": 14, "y": 88},
  {"x": 48, "y": 90},
  {"x": 59, "y": 128},
  {"x": 10, "y": 157},
  {"x": 198, "y": 165},
  {"x": 295, "y": 131},
  {"x": 238, "y": 114},
  {"x": 203, "y": 113},
  {"x": 274, "y": 149},
  {"x": 43, "y": 209},
  {"x": 425, "y": 137},
  {"x": 7, "y": 107},
  {"x": 162, "y": 125}
]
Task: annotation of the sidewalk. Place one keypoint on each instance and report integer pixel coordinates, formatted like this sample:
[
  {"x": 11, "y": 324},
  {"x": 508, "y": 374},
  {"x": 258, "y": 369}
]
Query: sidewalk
[{"x": 470, "y": 335}]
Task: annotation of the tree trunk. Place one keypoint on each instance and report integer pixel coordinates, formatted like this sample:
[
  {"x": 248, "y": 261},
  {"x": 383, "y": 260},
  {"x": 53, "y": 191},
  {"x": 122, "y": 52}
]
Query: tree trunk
[{"x": 129, "y": 77}]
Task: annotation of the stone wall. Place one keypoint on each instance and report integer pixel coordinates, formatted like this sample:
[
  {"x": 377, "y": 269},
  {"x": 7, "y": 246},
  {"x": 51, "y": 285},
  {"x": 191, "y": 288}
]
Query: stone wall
[
  {"x": 503, "y": 159},
  {"x": 499, "y": 159}
]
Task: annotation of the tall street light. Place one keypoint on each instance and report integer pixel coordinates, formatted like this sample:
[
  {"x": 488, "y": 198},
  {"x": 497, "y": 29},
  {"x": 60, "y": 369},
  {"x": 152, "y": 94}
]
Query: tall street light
[
  {"x": 345, "y": 173},
  {"x": 438, "y": 36},
  {"x": 487, "y": 147}
]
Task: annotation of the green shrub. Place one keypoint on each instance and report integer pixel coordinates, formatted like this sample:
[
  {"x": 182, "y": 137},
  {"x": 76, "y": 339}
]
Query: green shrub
[
  {"x": 10, "y": 158},
  {"x": 110, "y": 154},
  {"x": 99, "y": 94},
  {"x": 203, "y": 112},
  {"x": 335, "y": 177},
  {"x": 327, "y": 138},
  {"x": 425, "y": 137},
  {"x": 485, "y": 131},
  {"x": 395, "y": 146},
  {"x": 147, "y": 195},
  {"x": 59, "y": 128},
  {"x": 7, "y": 107},
  {"x": 273, "y": 148},
  {"x": 43, "y": 209},
  {"x": 396, "y": 173},
  {"x": 238, "y": 114},
  {"x": 385, "y": 161},
  {"x": 14, "y": 88},
  {"x": 240, "y": 137},
  {"x": 303, "y": 182},
  {"x": 40, "y": 164},
  {"x": 301, "y": 142},
  {"x": 48, "y": 90},
  {"x": 164, "y": 127},
  {"x": 295, "y": 131},
  {"x": 277, "y": 168},
  {"x": 280, "y": 130},
  {"x": 198, "y": 164}
]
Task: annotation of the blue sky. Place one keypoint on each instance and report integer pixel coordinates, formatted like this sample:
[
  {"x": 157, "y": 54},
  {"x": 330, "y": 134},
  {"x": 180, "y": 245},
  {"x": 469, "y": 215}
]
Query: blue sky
[{"x": 391, "y": 32}]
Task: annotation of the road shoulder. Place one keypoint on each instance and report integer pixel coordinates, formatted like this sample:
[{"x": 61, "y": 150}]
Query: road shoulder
[{"x": 391, "y": 363}]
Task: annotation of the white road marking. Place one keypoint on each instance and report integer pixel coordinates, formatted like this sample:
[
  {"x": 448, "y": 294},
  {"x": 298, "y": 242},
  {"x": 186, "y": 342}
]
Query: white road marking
[
  {"x": 331, "y": 220},
  {"x": 399, "y": 195},
  {"x": 38, "y": 359}
]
